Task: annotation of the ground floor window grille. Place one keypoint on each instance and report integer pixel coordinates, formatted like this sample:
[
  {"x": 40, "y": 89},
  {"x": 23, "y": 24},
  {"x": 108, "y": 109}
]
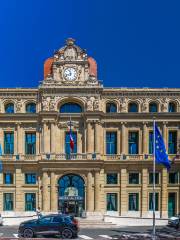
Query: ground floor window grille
[
  {"x": 8, "y": 201},
  {"x": 111, "y": 202}
]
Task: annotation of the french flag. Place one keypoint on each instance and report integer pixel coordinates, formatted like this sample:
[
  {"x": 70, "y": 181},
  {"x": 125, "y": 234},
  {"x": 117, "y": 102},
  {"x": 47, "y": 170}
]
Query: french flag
[{"x": 71, "y": 139}]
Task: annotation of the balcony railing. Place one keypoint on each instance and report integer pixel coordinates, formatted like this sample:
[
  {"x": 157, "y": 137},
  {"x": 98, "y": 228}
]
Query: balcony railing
[{"x": 84, "y": 156}]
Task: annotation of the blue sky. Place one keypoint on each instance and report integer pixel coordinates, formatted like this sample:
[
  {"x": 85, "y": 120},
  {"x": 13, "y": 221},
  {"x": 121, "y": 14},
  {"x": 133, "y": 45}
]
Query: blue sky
[{"x": 135, "y": 43}]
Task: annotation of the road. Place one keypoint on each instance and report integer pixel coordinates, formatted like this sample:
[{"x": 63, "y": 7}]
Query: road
[{"x": 101, "y": 234}]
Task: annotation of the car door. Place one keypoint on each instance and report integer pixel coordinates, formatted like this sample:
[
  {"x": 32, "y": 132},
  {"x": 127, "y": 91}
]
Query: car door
[
  {"x": 43, "y": 225},
  {"x": 57, "y": 223}
]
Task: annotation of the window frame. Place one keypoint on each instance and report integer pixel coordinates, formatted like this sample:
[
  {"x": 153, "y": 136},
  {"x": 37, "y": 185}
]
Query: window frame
[
  {"x": 175, "y": 177},
  {"x": 133, "y": 182},
  {"x": 151, "y": 106},
  {"x": 9, "y": 146},
  {"x": 27, "y": 175},
  {"x": 25, "y": 202},
  {"x": 11, "y": 105},
  {"x": 116, "y": 201},
  {"x": 156, "y": 201},
  {"x": 156, "y": 177},
  {"x": 137, "y": 208},
  {"x": 31, "y": 104},
  {"x": 112, "y": 145},
  {"x": 31, "y": 145},
  {"x": 11, "y": 178},
  {"x": 110, "y": 106},
  {"x": 112, "y": 173},
  {"x": 130, "y": 143},
  {"x": 11, "y": 201},
  {"x": 172, "y": 146},
  {"x": 68, "y": 106},
  {"x": 131, "y": 106}
]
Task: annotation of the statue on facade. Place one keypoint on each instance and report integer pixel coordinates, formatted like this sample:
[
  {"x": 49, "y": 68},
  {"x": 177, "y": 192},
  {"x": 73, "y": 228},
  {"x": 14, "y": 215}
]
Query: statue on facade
[
  {"x": 52, "y": 105},
  {"x": 145, "y": 105},
  {"x": 90, "y": 104},
  {"x": 45, "y": 104},
  {"x": 18, "y": 106},
  {"x": 164, "y": 106},
  {"x": 124, "y": 104},
  {"x": 96, "y": 105}
]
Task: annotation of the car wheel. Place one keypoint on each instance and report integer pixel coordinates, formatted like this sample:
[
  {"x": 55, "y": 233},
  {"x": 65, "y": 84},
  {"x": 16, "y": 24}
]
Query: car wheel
[
  {"x": 66, "y": 234},
  {"x": 28, "y": 233}
]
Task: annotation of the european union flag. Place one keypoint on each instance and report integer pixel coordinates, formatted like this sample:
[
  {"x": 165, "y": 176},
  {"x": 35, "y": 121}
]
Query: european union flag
[{"x": 161, "y": 155}]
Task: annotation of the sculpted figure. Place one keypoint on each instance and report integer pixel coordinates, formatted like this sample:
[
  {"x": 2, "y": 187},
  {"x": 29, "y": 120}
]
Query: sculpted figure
[
  {"x": 18, "y": 106},
  {"x": 164, "y": 106},
  {"x": 45, "y": 105},
  {"x": 124, "y": 104},
  {"x": 96, "y": 105},
  {"x": 90, "y": 104},
  {"x": 145, "y": 105},
  {"x": 52, "y": 105}
]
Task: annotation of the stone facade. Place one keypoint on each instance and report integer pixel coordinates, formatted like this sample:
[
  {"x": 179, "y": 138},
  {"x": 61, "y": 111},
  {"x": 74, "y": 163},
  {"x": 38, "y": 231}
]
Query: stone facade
[{"x": 91, "y": 161}]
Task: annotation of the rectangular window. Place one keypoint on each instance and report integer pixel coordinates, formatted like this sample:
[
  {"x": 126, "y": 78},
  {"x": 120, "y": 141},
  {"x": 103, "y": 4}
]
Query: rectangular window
[
  {"x": 111, "y": 178},
  {"x": 8, "y": 143},
  {"x": 30, "y": 201},
  {"x": 111, "y": 202},
  {"x": 133, "y": 143},
  {"x": 151, "y": 201},
  {"x": 8, "y": 202},
  {"x": 133, "y": 201},
  {"x": 67, "y": 142},
  {"x": 30, "y": 143},
  {"x": 173, "y": 177},
  {"x": 30, "y": 178},
  {"x": 150, "y": 142},
  {"x": 172, "y": 142},
  {"x": 151, "y": 178},
  {"x": 8, "y": 178},
  {"x": 111, "y": 143},
  {"x": 133, "y": 178}
]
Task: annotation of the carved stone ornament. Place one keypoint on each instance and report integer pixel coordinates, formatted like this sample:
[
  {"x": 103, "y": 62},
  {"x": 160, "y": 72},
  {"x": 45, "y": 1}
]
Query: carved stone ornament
[
  {"x": 145, "y": 105},
  {"x": 124, "y": 104},
  {"x": 52, "y": 105},
  {"x": 45, "y": 104},
  {"x": 96, "y": 105},
  {"x": 164, "y": 106},
  {"x": 18, "y": 106},
  {"x": 74, "y": 124},
  {"x": 90, "y": 104}
]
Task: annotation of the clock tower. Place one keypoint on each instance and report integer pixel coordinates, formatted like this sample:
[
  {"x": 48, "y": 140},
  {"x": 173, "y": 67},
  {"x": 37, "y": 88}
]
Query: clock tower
[{"x": 70, "y": 66}]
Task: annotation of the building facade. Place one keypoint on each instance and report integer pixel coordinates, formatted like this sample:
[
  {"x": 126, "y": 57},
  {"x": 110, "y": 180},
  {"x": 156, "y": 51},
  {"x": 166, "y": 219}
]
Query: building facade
[{"x": 109, "y": 170}]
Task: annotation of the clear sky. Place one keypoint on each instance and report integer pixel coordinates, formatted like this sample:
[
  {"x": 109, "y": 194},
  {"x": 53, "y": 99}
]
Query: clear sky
[{"x": 135, "y": 43}]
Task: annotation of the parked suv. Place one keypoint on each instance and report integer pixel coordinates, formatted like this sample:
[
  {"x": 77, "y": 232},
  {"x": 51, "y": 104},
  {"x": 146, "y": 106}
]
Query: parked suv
[{"x": 55, "y": 224}]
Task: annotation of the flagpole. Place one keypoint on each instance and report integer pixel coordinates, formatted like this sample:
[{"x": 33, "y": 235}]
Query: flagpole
[{"x": 154, "y": 181}]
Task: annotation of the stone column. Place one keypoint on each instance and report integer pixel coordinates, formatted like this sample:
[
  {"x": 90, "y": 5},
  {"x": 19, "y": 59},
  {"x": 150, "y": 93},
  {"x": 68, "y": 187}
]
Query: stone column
[
  {"x": 97, "y": 191},
  {"x": 45, "y": 192},
  {"x": 53, "y": 137},
  {"x": 90, "y": 138},
  {"x": 123, "y": 195},
  {"x": 164, "y": 194},
  {"x": 144, "y": 196},
  {"x": 89, "y": 194},
  {"x": 97, "y": 138},
  {"x": 124, "y": 139},
  {"x": 53, "y": 193},
  {"x": 46, "y": 137},
  {"x": 118, "y": 142},
  {"x": 145, "y": 137},
  {"x": 19, "y": 200}
]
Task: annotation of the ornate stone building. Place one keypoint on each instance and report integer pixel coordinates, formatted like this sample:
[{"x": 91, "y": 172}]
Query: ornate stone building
[{"x": 110, "y": 167}]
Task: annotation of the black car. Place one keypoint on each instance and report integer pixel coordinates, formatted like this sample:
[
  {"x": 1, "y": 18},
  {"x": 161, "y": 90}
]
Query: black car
[
  {"x": 174, "y": 221},
  {"x": 55, "y": 224}
]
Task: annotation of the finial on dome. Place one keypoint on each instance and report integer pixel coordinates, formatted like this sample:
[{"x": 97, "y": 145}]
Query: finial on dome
[{"x": 70, "y": 41}]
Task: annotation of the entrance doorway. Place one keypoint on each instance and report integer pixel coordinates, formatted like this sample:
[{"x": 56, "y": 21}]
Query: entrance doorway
[
  {"x": 171, "y": 204},
  {"x": 71, "y": 195}
]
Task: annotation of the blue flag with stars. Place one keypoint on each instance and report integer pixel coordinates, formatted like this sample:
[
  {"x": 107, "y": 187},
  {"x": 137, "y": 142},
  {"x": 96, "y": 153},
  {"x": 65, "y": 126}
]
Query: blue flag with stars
[{"x": 161, "y": 155}]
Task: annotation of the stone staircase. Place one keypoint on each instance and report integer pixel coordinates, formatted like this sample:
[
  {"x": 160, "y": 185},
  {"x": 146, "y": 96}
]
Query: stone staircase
[{"x": 90, "y": 223}]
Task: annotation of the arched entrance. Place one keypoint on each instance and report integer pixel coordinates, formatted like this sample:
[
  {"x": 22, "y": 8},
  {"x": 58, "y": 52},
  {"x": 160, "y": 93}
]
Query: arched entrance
[{"x": 71, "y": 194}]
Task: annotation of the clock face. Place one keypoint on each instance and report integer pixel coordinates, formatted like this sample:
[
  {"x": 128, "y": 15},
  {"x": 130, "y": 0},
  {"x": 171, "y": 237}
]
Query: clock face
[{"x": 70, "y": 74}]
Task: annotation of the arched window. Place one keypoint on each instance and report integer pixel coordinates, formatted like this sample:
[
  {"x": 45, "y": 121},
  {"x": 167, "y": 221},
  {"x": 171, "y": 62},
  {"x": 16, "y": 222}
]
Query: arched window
[
  {"x": 70, "y": 108},
  {"x": 153, "y": 107},
  {"x": 111, "y": 108},
  {"x": 132, "y": 107},
  {"x": 9, "y": 108},
  {"x": 172, "y": 107},
  {"x": 31, "y": 108}
]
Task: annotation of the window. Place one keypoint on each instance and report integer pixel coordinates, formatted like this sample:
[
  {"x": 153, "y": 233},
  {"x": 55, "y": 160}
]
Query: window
[
  {"x": 67, "y": 142},
  {"x": 111, "y": 178},
  {"x": 150, "y": 142},
  {"x": 70, "y": 108},
  {"x": 133, "y": 178},
  {"x": 153, "y": 107},
  {"x": 133, "y": 142},
  {"x": 30, "y": 143},
  {"x": 9, "y": 108},
  {"x": 8, "y": 143},
  {"x": 151, "y": 178},
  {"x": 133, "y": 201},
  {"x": 172, "y": 142},
  {"x": 173, "y": 177},
  {"x": 30, "y": 178},
  {"x": 132, "y": 107},
  {"x": 111, "y": 143},
  {"x": 30, "y": 201},
  {"x": 111, "y": 108},
  {"x": 31, "y": 108},
  {"x": 45, "y": 220},
  {"x": 8, "y": 178},
  {"x": 111, "y": 202},
  {"x": 151, "y": 201},
  {"x": 8, "y": 202},
  {"x": 57, "y": 219},
  {"x": 172, "y": 107}
]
